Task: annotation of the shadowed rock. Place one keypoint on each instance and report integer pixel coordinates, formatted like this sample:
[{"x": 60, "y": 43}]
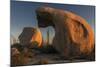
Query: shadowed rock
[
  {"x": 73, "y": 35},
  {"x": 30, "y": 35},
  {"x": 18, "y": 58}
]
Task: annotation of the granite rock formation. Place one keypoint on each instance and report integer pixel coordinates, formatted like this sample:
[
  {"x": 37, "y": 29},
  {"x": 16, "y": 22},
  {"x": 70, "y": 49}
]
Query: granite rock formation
[
  {"x": 73, "y": 35},
  {"x": 30, "y": 35}
]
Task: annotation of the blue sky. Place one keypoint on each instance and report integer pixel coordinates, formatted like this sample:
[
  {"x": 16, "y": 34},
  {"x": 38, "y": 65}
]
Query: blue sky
[{"x": 23, "y": 15}]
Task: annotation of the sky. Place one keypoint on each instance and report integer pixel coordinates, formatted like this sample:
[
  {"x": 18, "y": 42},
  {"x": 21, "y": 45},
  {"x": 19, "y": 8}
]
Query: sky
[{"x": 23, "y": 15}]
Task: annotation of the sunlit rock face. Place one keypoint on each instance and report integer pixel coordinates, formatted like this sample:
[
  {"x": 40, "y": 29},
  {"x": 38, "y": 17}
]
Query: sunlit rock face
[
  {"x": 30, "y": 35},
  {"x": 73, "y": 35}
]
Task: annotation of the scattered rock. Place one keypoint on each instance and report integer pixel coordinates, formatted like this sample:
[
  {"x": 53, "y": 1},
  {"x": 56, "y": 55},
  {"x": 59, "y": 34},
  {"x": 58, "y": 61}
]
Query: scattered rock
[{"x": 14, "y": 52}]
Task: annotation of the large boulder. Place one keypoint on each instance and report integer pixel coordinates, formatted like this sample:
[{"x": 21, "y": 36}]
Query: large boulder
[
  {"x": 30, "y": 35},
  {"x": 73, "y": 35}
]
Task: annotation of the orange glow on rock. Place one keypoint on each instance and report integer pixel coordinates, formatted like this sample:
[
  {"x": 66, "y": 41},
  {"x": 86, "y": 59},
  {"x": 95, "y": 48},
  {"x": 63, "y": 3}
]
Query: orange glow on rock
[{"x": 37, "y": 37}]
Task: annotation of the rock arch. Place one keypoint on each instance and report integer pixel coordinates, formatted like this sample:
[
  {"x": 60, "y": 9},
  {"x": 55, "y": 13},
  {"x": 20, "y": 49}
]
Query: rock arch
[{"x": 73, "y": 35}]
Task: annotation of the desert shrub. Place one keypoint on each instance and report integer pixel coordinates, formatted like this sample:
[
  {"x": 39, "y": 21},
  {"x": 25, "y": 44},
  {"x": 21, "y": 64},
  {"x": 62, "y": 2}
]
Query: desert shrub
[
  {"x": 48, "y": 49},
  {"x": 18, "y": 46},
  {"x": 33, "y": 45}
]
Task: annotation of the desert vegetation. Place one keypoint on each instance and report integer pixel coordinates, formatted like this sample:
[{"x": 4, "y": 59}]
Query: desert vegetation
[
  {"x": 25, "y": 55},
  {"x": 22, "y": 55},
  {"x": 73, "y": 40}
]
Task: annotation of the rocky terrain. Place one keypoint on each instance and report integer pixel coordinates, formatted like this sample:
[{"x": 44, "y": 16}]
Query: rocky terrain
[
  {"x": 73, "y": 41},
  {"x": 45, "y": 55}
]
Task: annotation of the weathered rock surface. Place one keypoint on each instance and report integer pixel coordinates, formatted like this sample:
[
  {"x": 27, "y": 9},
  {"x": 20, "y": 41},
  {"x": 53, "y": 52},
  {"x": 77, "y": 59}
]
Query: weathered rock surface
[
  {"x": 14, "y": 51},
  {"x": 30, "y": 35},
  {"x": 73, "y": 35}
]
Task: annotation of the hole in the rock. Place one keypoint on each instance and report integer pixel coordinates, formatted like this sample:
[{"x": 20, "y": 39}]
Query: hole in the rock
[{"x": 48, "y": 34}]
